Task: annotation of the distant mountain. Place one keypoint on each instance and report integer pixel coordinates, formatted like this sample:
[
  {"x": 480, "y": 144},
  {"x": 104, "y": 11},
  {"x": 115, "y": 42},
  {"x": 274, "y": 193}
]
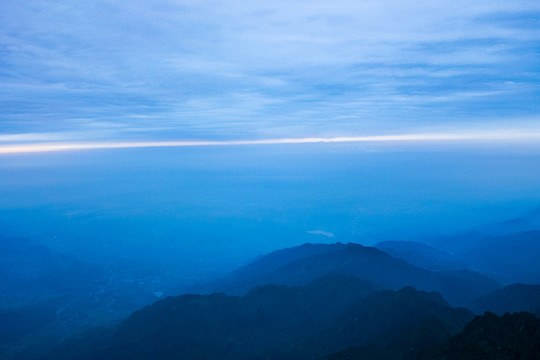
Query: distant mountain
[
  {"x": 421, "y": 255},
  {"x": 506, "y": 250},
  {"x": 510, "y": 259},
  {"x": 458, "y": 287},
  {"x": 270, "y": 262},
  {"x": 275, "y": 322},
  {"x": 33, "y": 273},
  {"x": 512, "y": 298},
  {"x": 40, "y": 296},
  {"x": 507, "y": 227},
  {"x": 262, "y": 266},
  {"x": 46, "y": 295},
  {"x": 527, "y": 222},
  {"x": 510, "y": 337},
  {"x": 19, "y": 322}
]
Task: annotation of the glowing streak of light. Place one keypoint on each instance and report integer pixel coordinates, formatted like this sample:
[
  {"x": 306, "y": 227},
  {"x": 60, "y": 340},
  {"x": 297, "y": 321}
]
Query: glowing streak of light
[{"x": 489, "y": 136}]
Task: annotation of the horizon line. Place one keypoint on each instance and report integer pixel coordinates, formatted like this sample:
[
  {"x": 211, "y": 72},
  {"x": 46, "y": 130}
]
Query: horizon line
[{"x": 73, "y": 146}]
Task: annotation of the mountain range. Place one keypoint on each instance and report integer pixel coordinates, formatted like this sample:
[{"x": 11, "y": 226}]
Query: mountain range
[
  {"x": 275, "y": 321},
  {"x": 306, "y": 302},
  {"x": 458, "y": 287},
  {"x": 397, "y": 300},
  {"x": 509, "y": 258}
]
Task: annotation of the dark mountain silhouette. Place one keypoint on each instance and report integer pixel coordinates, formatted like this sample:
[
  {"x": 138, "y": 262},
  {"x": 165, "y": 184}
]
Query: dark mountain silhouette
[
  {"x": 509, "y": 337},
  {"x": 275, "y": 321},
  {"x": 406, "y": 321},
  {"x": 225, "y": 327},
  {"x": 511, "y": 299},
  {"x": 365, "y": 353},
  {"x": 421, "y": 255},
  {"x": 423, "y": 335},
  {"x": 458, "y": 287}
]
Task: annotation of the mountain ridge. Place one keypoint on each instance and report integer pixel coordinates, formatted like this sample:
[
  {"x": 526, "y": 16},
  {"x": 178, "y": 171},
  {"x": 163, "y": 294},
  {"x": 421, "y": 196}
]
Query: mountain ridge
[
  {"x": 369, "y": 263},
  {"x": 269, "y": 321}
]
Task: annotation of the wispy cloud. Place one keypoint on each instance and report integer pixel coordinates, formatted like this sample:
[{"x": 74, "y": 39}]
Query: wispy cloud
[
  {"x": 237, "y": 68},
  {"x": 494, "y": 136}
]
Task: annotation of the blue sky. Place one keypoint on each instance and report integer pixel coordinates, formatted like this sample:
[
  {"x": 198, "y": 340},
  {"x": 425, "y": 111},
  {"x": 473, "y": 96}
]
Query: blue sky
[
  {"x": 221, "y": 70},
  {"x": 111, "y": 74}
]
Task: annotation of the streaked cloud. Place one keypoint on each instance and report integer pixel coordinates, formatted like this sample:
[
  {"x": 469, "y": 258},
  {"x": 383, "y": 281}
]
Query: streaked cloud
[
  {"x": 237, "y": 69},
  {"x": 433, "y": 137}
]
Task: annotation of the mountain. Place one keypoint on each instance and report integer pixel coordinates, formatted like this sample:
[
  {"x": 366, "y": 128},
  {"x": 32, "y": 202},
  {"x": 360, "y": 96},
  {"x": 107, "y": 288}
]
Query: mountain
[
  {"x": 46, "y": 295},
  {"x": 458, "y": 287},
  {"x": 32, "y": 273},
  {"x": 421, "y": 255},
  {"x": 16, "y": 324},
  {"x": 275, "y": 321},
  {"x": 510, "y": 259},
  {"x": 364, "y": 353},
  {"x": 262, "y": 266},
  {"x": 512, "y": 298},
  {"x": 40, "y": 295},
  {"x": 509, "y": 337},
  {"x": 505, "y": 251},
  {"x": 405, "y": 321},
  {"x": 220, "y": 326},
  {"x": 527, "y": 222},
  {"x": 276, "y": 259}
]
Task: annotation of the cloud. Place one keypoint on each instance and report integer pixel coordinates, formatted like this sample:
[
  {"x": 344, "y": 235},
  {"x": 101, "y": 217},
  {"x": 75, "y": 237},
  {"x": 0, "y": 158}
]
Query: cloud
[
  {"x": 237, "y": 68},
  {"x": 490, "y": 137},
  {"x": 321, "y": 232}
]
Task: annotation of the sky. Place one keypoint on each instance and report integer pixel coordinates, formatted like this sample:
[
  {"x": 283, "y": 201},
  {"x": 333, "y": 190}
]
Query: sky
[
  {"x": 226, "y": 125},
  {"x": 142, "y": 71},
  {"x": 233, "y": 203}
]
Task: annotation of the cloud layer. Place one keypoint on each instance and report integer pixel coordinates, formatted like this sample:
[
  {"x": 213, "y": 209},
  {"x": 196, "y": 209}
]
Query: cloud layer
[{"x": 221, "y": 70}]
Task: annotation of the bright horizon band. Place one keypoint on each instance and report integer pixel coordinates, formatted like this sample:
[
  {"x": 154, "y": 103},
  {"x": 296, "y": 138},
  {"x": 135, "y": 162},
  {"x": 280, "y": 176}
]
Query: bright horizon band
[{"x": 61, "y": 146}]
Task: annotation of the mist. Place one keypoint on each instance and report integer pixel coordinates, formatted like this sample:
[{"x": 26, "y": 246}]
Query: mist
[{"x": 218, "y": 207}]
